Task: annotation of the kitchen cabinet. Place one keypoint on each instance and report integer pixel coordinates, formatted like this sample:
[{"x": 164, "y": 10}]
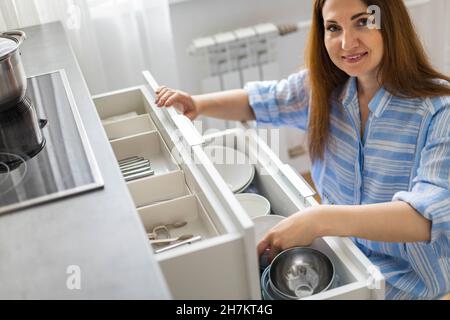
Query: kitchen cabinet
[{"x": 187, "y": 187}]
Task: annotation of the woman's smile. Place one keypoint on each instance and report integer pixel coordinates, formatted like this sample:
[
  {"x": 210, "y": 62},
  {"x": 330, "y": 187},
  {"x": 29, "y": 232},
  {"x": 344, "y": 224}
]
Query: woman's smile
[{"x": 355, "y": 58}]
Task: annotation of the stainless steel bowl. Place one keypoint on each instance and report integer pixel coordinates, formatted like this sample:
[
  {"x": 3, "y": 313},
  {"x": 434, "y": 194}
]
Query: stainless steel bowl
[
  {"x": 300, "y": 272},
  {"x": 267, "y": 292}
]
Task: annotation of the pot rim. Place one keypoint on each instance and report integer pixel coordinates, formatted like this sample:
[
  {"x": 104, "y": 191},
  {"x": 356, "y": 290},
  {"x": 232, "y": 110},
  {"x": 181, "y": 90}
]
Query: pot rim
[{"x": 18, "y": 37}]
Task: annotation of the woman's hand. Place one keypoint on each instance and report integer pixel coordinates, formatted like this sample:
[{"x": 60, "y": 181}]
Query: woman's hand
[
  {"x": 298, "y": 230},
  {"x": 384, "y": 222},
  {"x": 183, "y": 102}
]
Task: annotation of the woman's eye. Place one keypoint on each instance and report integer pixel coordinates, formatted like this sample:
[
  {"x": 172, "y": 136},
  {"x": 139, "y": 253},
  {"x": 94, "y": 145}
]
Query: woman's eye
[
  {"x": 362, "y": 22},
  {"x": 332, "y": 28}
]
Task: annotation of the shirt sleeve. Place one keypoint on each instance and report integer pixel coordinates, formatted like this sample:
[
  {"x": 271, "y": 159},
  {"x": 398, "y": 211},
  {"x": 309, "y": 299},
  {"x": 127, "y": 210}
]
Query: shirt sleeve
[
  {"x": 430, "y": 195},
  {"x": 281, "y": 103}
]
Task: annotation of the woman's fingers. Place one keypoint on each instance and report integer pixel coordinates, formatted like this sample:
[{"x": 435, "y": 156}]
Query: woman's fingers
[
  {"x": 176, "y": 97},
  {"x": 160, "y": 93},
  {"x": 274, "y": 251},
  {"x": 268, "y": 244},
  {"x": 263, "y": 245},
  {"x": 164, "y": 96},
  {"x": 157, "y": 91}
]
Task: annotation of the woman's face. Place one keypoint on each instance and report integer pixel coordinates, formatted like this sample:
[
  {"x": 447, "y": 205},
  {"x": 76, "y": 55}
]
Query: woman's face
[{"x": 351, "y": 45}]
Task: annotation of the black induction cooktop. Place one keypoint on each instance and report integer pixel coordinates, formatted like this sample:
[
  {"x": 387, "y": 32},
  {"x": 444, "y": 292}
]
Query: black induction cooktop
[{"x": 64, "y": 166}]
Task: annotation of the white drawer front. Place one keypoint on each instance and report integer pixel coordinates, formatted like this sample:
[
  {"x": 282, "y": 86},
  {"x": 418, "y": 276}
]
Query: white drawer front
[{"x": 179, "y": 192}]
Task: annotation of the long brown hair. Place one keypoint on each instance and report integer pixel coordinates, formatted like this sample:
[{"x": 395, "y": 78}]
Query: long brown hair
[{"x": 404, "y": 71}]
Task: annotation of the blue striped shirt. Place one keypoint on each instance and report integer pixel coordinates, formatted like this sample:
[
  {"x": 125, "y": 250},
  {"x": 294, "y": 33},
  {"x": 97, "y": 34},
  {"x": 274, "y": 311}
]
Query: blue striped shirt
[{"x": 404, "y": 155}]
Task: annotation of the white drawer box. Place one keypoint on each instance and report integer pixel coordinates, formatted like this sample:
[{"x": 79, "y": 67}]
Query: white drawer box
[
  {"x": 157, "y": 189},
  {"x": 128, "y": 127},
  {"x": 223, "y": 264}
]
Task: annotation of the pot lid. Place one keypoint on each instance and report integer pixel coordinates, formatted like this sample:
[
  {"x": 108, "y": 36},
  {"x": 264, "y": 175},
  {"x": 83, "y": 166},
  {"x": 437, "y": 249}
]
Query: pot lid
[{"x": 7, "y": 45}]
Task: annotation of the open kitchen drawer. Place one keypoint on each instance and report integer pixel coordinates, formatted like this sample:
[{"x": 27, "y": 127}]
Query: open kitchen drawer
[
  {"x": 288, "y": 193},
  {"x": 219, "y": 265},
  {"x": 223, "y": 265}
]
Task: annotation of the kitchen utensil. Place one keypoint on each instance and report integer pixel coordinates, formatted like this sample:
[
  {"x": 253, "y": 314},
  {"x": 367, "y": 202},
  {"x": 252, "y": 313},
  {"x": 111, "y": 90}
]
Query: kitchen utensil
[
  {"x": 266, "y": 290},
  {"x": 135, "y": 165},
  {"x": 136, "y": 169},
  {"x": 300, "y": 272},
  {"x": 254, "y": 204},
  {"x": 133, "y": 171},
  {"x": 136, "y": 176},
  {"x": 13, "y": 82},
  {"x": 175, "y": 245},
  {"x": 159, "y": 232},
  {"x": 20, "y": 134},
  {"x": 170, "y": 240},
  {"x": 175, "y": 225},
  {"x": 233, "y": 165},
  {"x": 130, "y": 160},
  {"x": 166, "y": 229}
]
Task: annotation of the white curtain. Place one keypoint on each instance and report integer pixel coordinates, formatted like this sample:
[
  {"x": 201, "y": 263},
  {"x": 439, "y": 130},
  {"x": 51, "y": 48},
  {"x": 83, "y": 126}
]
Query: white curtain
[{"x": 114, "y": 40}]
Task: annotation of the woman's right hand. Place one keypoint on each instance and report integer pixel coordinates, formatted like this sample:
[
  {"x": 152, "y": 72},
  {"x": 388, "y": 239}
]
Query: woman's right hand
[{"x": 182, "y": 101}]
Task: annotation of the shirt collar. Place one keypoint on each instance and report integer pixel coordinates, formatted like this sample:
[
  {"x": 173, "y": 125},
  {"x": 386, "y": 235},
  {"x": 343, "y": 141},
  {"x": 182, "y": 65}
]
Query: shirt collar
[
  {"x": 378, "y": 103},
  {"x": 349, "y": 92}
]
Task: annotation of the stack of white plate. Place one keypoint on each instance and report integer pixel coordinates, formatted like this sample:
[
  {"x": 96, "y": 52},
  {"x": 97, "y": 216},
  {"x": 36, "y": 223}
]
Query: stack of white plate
[{"x": 234, "y": 167}]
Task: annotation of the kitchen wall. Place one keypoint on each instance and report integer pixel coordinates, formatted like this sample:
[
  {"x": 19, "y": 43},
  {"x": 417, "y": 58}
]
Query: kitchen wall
[
  {"x": 433, "y": 26},
  {"x": 199, "y": 18}
]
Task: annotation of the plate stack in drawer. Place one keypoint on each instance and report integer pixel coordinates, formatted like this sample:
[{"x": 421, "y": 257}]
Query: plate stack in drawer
[{"x": 172, "y": 203}]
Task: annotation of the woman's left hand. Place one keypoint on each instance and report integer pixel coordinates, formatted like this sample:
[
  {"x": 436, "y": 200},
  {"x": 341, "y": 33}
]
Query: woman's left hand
[{"x": 298, "y": 230}]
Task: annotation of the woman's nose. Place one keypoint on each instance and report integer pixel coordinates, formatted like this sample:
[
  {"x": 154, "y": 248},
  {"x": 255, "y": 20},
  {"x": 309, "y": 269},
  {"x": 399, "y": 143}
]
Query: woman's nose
[{"x": 349, "y": 41}]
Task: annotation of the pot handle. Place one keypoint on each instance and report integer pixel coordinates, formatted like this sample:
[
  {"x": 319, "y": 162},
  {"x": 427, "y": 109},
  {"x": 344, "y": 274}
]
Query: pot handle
[
  {"x": 42, "y": 123},
  {"x": 20, "y": 36}
]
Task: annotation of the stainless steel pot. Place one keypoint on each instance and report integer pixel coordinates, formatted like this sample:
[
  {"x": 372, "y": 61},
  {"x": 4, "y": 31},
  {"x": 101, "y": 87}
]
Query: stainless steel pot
[
  {"x": 13, "y": 82},
  {"x": 21, "y": 136}
]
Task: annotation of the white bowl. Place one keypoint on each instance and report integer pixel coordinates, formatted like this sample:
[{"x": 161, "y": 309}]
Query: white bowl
[
  {"x": 264, "y": 223},
  {"x": 234, "y": 166},
  {"x": 254, "y": 204}
]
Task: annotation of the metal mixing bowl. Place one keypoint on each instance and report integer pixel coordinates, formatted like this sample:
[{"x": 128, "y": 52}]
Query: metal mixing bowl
[
  {"x": 267, "y": 292},
  {"x": 300, "y": 272}
]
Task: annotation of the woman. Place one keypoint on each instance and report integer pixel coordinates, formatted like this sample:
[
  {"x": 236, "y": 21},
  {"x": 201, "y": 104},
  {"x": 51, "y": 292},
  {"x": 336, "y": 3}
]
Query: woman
[{"x": 378, "y": 120}]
